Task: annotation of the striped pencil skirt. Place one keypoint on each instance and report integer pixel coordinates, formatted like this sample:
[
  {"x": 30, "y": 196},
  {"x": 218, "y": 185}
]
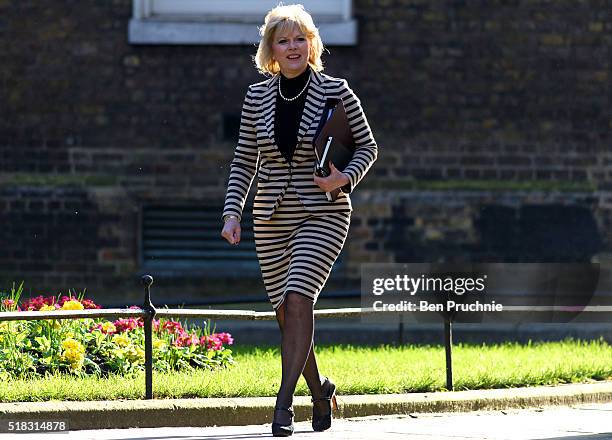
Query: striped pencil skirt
[{"x": 296, "y": 249}]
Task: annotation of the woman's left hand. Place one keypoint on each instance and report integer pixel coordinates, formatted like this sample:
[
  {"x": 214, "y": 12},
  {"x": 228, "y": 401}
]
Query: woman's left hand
[{"x": 336, "y": 179}]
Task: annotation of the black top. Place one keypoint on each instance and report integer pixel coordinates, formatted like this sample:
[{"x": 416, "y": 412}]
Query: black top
[{"x": 289, "y": 113}]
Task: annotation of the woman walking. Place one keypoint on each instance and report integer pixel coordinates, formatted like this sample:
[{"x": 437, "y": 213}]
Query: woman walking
[{"x": 298, "y": 232}]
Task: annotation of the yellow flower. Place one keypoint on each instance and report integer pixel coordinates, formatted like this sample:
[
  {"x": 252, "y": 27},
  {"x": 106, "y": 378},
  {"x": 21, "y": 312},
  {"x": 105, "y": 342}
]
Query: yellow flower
[
  {"x": 76, "y": 363},
  {"x": 109, "y": 327},
  {"x": 50, "y": 308},
  {"x": 47, "y": 308},
  {"x": 117, "y": 353},
  {"x": 121, "y": 340},
  {"x": 73, "y": 304},
  {"x": 74, "y": 353},
  {"x": 158, "y": 343},
  {"x": 71, "y": 344},
  {"x": 135, "y": 354}
]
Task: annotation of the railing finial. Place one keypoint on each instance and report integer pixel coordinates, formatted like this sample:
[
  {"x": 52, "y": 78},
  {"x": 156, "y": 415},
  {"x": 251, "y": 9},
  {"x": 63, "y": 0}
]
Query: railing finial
[{"x": 147, "y": 280}]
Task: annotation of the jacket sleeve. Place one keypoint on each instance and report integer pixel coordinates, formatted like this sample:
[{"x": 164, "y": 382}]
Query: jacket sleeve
[
  {"x": 244, "y": 164},
  {"x": 366, "y": 149}
]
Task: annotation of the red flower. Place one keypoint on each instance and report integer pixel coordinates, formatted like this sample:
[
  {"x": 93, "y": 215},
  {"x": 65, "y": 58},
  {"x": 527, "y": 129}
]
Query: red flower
[
  {"x": 186, "y": 339},
  {"x": 173, "y": 327},
  {"x": 37, "y": 302},
  {"x": 89, "y": 304},
  {"x": 128, "y": 324}
]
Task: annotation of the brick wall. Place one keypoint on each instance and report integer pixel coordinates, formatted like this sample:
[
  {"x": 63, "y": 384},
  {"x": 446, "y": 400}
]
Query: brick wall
[{"x": 508, "y": 91}]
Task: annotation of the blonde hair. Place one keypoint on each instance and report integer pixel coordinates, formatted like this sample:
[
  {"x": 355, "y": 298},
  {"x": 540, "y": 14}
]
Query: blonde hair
[{"x": 284, "y": 18}]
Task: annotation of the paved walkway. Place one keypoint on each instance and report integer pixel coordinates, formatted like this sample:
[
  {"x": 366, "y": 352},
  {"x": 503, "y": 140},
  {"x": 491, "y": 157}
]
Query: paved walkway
[
  {"x": 245, "y": 411},
  {"x": 576, "y": 422},
  {"x": 582, "y": 410}
]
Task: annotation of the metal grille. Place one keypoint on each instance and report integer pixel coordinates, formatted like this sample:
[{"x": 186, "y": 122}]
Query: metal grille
[{"x": 188, "y": 238}]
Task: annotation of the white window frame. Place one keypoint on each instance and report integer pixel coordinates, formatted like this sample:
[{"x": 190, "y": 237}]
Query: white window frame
[{"x": 230, "y": 22}]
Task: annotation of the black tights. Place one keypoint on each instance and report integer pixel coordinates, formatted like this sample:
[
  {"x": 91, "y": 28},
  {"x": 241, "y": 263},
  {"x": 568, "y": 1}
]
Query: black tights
[{"x": 296, "y": 321}]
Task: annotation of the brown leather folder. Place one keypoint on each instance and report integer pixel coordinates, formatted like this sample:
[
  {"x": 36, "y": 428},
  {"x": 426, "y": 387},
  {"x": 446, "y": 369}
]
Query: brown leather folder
[{"x": 334, "y": 141}]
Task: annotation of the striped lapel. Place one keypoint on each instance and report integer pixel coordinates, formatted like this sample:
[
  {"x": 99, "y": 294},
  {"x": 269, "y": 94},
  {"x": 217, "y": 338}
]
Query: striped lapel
[
  {"x": 315, "y": 101},
  {"x": 313, "y": 107},
  {"x": 269, "y": 103}
]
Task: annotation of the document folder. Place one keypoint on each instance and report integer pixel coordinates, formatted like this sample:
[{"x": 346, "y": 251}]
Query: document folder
[{"x": 334, "y": 142}]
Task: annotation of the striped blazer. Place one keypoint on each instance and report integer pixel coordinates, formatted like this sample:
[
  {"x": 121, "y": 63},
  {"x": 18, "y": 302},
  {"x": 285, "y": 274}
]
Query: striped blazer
[{"x": 258, "y": 154}]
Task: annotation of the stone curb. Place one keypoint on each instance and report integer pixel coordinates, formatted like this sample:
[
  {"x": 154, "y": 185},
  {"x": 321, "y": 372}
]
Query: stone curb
[{"x": 258, "y": 410}]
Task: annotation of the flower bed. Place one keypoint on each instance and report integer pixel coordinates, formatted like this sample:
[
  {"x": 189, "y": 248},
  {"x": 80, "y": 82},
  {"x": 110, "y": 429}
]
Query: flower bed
[{"x": 97, "y": 346}]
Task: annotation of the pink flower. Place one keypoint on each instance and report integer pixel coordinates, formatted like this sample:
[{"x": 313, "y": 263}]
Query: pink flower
[
  {"x": 128, "y": 324},
  {"x": 186, "y": 339},
  {"x": 226, "y": 338},
  {"x": 65, "y": 298},
  {"x": 211, "y": 342},
  {"x": 8, "y": 303}
]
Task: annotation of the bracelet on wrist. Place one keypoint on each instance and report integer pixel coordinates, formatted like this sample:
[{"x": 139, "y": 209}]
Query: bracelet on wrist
[{"x": 230, "y": 216}]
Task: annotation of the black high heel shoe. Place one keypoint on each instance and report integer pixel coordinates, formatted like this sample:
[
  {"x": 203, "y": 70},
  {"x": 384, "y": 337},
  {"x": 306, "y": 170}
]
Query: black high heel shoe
[
  {"x": 323, "y": 422},
  {"x": 279, "y": 429}
]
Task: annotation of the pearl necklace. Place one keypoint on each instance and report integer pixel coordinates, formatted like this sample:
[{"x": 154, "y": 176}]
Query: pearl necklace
[{"x": 295, "y": 97}]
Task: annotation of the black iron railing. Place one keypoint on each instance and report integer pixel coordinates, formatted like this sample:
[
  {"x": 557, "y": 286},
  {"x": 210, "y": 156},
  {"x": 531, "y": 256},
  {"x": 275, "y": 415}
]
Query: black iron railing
[{"x": 149, "y": 312}]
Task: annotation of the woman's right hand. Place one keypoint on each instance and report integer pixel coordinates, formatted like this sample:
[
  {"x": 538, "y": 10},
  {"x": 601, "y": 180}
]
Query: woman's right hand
[{"x": 231, "y": 231}]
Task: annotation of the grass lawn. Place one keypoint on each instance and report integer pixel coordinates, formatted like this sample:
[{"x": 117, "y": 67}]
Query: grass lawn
[{"x": 356, "y": 370}]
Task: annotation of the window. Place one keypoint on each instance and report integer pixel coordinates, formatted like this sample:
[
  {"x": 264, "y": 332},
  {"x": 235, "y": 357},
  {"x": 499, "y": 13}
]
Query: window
[
  {"x": 230, "y": 21},
  {"x": 186, "y": 239},
  {"x": 183, "y": 240}
]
